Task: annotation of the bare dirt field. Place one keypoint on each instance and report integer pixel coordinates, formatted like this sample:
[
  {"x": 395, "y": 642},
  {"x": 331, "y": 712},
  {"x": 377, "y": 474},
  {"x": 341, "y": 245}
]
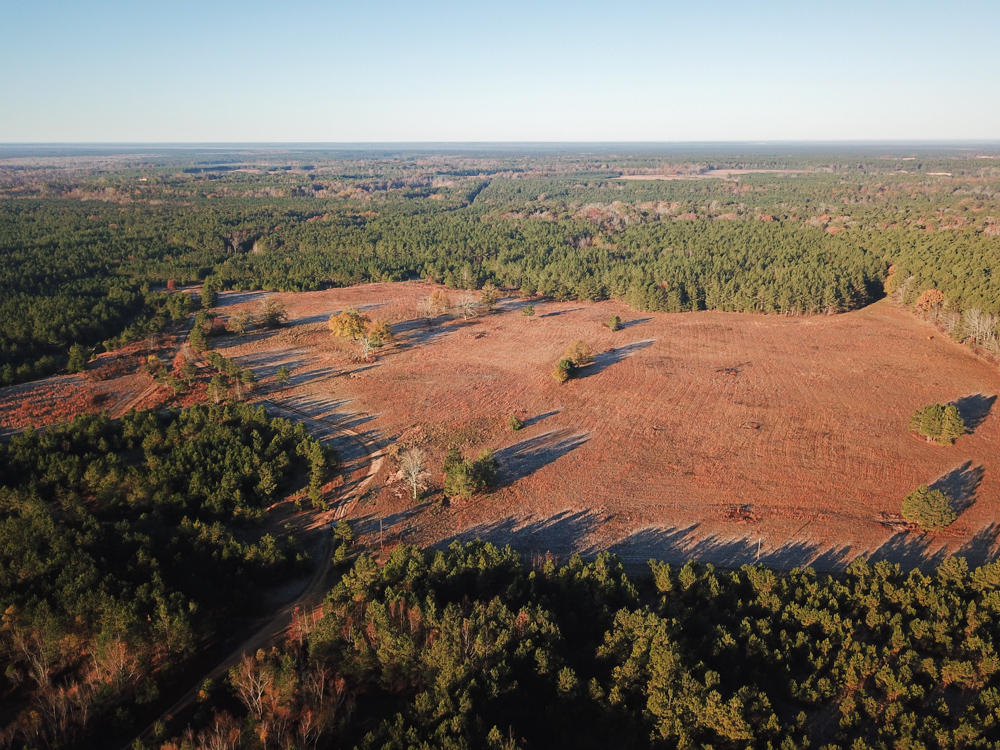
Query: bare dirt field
[{"x": 712, "y": 436}]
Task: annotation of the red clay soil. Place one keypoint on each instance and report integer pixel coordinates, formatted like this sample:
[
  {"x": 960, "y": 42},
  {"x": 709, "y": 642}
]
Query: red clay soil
[{"x": 705, "y": 435}]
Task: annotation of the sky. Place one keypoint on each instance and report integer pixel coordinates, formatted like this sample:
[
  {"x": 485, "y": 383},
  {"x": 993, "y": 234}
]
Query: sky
[{"x": 297, "y": 71}]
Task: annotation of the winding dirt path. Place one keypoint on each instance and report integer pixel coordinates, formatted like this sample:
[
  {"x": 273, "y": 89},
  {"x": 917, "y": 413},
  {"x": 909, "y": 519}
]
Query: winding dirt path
[{"x": 364, "y": 453}]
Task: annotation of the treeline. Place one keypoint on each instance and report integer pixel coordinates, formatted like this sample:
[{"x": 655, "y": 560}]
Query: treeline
[
  {"x": 464, "y": 648},
  {"x": 125, "y": 546},
  {"x": 80, "y": 251}
]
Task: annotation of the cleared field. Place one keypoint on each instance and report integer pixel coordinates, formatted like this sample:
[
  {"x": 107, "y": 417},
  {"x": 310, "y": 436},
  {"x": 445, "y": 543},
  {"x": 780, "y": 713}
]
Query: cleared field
[{"x": 712, "y": 436}]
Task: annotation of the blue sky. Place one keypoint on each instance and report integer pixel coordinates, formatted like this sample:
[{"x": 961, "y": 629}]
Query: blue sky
[{"x": 446, "y": 71}]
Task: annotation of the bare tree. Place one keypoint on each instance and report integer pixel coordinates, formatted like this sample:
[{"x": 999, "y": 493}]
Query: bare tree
[
  {"x": 468, "y": 305},
  {"x": 411, "y": 463},
  {"x": 238, "y": 322},
  {"x": 425, "y": 308},
  {"x": 982, "y": 327},
  {"x": 250, "y": 680}
]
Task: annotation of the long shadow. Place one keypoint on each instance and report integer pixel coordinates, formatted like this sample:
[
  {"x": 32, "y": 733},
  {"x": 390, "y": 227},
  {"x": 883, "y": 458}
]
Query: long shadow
[
  {"x": 677, "y": 545},
  {"x": 910, "y": 550},
  {"x": 529, "y": 421},
  {"x": 983, "y": 547},
  {"x": 559, "y": 312},
  {"x": 562, "y": 533},
  {"x": 229, "y": 341},
  {"x": 266, "y": 365},
  {"x": 420, "y": 336},
  {"x": 521, "y": 459},
  {"x": 513, "y": 304},
  {"x": 974, "y": 409},
  {"x": 228, "y": 299},
  {"x": 629, "y": 323},
  {"x": 604, "y": 360},
  {"x": 960, "y": 484},
  {"x": 321, "y": 317},
  {"x": 372, "y": 522}
]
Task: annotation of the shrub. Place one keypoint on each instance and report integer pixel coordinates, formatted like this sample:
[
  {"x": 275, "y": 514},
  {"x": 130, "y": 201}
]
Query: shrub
[
  {"x": 528, "y": 311},
  {"x": 564, "y": 371},
  {"x": 615, "y": 324},
  {"x": 931, "y": 509},
  {"x": 514, "y": 422}
]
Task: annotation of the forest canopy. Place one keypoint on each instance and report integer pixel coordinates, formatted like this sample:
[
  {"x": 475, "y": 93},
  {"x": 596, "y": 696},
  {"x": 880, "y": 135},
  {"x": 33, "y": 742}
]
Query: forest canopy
[
  {"x": 463, "y": 648},
  {"x": 125, "y": 546},
  {"x": 89, "y": 244}
]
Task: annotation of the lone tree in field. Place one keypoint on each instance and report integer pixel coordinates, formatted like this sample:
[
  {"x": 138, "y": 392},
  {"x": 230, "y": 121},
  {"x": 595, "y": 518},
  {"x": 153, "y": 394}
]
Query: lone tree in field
[
  {"x": 271, "y": 314},
  {"x": 411, "y": 464},
  {"x": 952, "y": 425},
  {"x": 579, "y": 354},
  {"x": 939, "y": 424},
  {"x": 349, "y": 324},
  {"x": 377, "y": 334},
  {"x": 464, "y": 478},
  {"x": 528, "y": 311},
  {"x": 468, "y": 305},
  {"x": 930, "y": 509},
  {"x": 615, "y": 324},
  {"x": 209, "y": 295},
  {"x": 439, "y": 302}
]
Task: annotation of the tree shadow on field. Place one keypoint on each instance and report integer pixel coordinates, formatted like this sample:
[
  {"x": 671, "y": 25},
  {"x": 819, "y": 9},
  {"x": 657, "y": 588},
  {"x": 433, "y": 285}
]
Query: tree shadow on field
[
  {"x": 521, "y": 459},
  {"x": 604, "y": 360},
  {"x": 529, "y": 421},
  {"x": 231, "y": 340},
  {"x": 960, "y": 485},
  {"x": 983, "y": 547},
  {"x": 319, "y": 318},
  {"x": 370, "y": 523},
  {"x": 267, "y": 364},
  {"x": 513, "y": 304},
  {"x": 629, "y": 323},
  {"x": 678, "y": 545},
  {"x": 229, "y": 299},
  {"x": 562, "y": 533},
  {"x": 974, "y": 409},
  {"x": 910, "y": 550},
  {"x": 421, "y": 331},
  {"x": 554, "y": 313}
]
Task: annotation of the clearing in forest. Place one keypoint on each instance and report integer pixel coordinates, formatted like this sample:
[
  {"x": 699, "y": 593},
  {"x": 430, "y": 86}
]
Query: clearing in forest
[{"x": 717, "y": 436}]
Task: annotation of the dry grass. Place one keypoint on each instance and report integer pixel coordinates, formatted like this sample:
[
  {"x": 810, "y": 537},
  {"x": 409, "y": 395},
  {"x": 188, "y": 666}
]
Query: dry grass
[{"x": 798, "y": 423}]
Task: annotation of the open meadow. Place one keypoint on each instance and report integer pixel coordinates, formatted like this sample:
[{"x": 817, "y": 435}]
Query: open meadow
[{"x": 715, "y": 436}]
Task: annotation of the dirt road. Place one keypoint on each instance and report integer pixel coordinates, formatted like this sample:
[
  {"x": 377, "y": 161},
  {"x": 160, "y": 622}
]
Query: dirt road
[{"x": 357, "y": 454}]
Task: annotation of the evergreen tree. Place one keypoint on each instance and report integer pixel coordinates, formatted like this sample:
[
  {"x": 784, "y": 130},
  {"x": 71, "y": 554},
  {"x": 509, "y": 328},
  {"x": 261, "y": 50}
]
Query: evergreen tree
[
  {"x": 930, "y": 421},
  {"x": 77, "y": 359},
  {"x": 931, "y": 509},
  {"x": 282, "y": 376},
  {"x": 952, "y": 425}
]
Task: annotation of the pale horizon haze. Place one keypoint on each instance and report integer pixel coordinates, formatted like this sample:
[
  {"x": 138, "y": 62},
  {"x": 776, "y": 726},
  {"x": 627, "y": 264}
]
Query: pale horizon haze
[{"x": 493, "y": 72}]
